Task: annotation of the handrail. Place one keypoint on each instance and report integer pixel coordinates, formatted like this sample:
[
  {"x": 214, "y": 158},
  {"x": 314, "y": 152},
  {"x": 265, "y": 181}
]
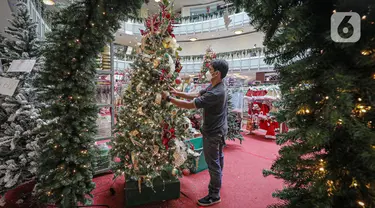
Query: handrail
[
  {"x": 225, "y": 55},
  {"x": 194, "y": 66}
]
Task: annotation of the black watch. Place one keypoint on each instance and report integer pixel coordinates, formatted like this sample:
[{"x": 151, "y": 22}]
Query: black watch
[{"x": 168, "y": 99}]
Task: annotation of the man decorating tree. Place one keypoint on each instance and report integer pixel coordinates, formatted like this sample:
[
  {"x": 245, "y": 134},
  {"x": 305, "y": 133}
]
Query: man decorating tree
[{"x": 213, "y": 100}]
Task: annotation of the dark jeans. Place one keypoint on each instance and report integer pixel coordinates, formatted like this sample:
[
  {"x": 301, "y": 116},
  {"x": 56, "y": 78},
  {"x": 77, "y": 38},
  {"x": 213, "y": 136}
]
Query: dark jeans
[{"x": 213, "y": 153}]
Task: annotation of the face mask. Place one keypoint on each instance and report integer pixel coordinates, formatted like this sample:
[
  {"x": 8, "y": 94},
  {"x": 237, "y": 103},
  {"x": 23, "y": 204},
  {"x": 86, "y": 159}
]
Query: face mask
[{"x": 208, "y": 75}]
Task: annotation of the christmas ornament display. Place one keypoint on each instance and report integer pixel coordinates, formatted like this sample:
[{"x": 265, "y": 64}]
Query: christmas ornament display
[{"x": 186, "y": 172}]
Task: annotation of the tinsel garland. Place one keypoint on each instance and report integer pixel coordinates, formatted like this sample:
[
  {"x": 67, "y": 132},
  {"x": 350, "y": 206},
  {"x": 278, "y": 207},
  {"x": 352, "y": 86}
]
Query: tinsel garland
[{"x": 223, "y": 55}]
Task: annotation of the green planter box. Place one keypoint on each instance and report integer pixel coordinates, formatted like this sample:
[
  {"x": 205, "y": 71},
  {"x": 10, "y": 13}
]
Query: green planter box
[
  {"x": 163, "y": 191},
  {"x": 200, "y": 163}
]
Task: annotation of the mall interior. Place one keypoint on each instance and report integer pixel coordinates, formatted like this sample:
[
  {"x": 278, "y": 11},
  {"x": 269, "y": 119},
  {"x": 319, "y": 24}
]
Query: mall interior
[{"x": 187, "y": 103}]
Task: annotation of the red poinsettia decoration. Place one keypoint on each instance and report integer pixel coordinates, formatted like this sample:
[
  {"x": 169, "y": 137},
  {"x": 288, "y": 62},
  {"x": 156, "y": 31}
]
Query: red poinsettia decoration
[
  {"x": 153, "y": 22},
  {"x": 163, "y": 75},
  {"x": 178, "y": 66},
  {"x": 170, "y": 30},
  {"x": 168, "y": 134}
]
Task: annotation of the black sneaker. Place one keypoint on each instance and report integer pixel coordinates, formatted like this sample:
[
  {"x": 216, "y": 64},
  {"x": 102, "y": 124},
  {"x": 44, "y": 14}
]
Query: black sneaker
[{"x": 208, "y": 201}]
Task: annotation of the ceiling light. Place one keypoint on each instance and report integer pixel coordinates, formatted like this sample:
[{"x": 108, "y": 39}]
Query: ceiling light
[
  {"x": 193, "y": 39},
  {"x": 49, "y": 2},
  {"x": 237, "y": 32},
  {"x": 157, "y": 0}
]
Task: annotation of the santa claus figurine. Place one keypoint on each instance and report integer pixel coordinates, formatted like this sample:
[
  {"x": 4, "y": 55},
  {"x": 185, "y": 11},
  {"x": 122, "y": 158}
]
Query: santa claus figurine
[
  {"x": 271, "y": 128},
  {"x": 256, "y": 109}
]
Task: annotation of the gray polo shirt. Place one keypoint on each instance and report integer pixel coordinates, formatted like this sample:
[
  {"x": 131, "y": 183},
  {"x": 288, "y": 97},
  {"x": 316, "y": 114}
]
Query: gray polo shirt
[{"x": 213, "y": 100}]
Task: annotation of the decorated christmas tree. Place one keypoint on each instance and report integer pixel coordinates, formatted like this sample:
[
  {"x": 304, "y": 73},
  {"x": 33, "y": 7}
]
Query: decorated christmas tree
[
  {"x": 20, "y": 121},
  {"x": 208, "y": 57},
  {"x": 150, "y": 131},
  {"x": 328, "y": 159},
  {"x": 67, "y": 84}
]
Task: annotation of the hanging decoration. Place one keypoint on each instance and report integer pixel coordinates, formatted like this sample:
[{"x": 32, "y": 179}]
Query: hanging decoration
[
  {"x": 226, "y": 55},
  {"x": 193, "y": 18}
]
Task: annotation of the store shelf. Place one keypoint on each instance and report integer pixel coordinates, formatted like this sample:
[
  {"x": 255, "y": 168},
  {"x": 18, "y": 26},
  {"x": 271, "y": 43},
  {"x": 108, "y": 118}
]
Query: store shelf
[
  {"x": 103, "y": 138},
  {"x": 106, "y": 169},
  {"x": 98, "y": 71},
  {"x": 104, "y": 105}
]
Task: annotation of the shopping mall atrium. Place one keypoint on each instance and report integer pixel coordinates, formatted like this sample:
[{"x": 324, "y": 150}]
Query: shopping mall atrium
[{"x": 187, "y": 103}]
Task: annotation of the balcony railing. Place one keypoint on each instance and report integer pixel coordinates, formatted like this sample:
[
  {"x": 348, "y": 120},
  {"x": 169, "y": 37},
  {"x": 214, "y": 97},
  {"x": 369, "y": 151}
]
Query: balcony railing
[
  {"x": 194, "y": 65},
  {"x": 42, "y": 26},
  {"x": 133, "y": 27}
]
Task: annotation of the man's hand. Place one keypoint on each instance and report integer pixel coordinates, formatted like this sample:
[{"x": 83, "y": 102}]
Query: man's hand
[
  {"x": 173, "y": 91},
  {"x": 164, "y": 95}
]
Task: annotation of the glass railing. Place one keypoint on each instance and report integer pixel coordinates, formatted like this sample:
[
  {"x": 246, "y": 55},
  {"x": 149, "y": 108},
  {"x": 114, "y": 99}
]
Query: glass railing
[
  {"x": 133, "y": 27},
  {"x": 194, "y": 66},
  {"x": 42, "y": 26}
]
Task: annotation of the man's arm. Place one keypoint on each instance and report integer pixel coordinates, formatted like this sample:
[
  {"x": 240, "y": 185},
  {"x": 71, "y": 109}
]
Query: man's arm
[
  {"x": 204, "y": 101},
  {"x": 186, "y": 104},
  {"x": 188, "y": 96}
]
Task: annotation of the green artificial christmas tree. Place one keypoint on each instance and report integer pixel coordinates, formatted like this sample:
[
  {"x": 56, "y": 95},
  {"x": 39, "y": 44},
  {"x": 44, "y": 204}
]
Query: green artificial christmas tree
[
  {"x": 328, "y": 159},
  {"x": 20, "y": 121},
  {"x": 24, "y": 41},
  {"x": 67, "y": 85},
  {"x": 150, "y": 131},
  {"x": 234, "y": 129}
]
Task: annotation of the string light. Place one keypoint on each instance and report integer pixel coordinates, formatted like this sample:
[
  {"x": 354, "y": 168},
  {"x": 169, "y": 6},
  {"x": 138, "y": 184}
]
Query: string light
[
  {"x": 327, "y": 97},
  {"x": 361, "y": 203},
  {"x": 339, "y": 122},
  {"x": 364, "y": 17},
  {"x": 321, "y": 169},
  {"x": 359, "y": 99},
  {"x": 365, "y": 52}
]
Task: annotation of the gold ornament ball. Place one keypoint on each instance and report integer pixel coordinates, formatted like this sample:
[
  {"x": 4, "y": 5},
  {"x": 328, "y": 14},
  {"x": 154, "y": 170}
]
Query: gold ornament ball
[
  {"x": 174, "y": 172},
  {"x": 166, "y": 44},
  {"x": 156, "y": 63}
]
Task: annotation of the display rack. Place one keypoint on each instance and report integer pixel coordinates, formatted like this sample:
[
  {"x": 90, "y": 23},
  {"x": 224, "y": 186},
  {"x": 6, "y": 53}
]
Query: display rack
[
  {"x": 248, "y": 100},
  {"x": 109, "y": 72}
]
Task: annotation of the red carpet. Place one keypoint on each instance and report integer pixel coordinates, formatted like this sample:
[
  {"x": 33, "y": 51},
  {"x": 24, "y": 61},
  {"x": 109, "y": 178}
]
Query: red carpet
[{"x": 243, "y": 183}]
